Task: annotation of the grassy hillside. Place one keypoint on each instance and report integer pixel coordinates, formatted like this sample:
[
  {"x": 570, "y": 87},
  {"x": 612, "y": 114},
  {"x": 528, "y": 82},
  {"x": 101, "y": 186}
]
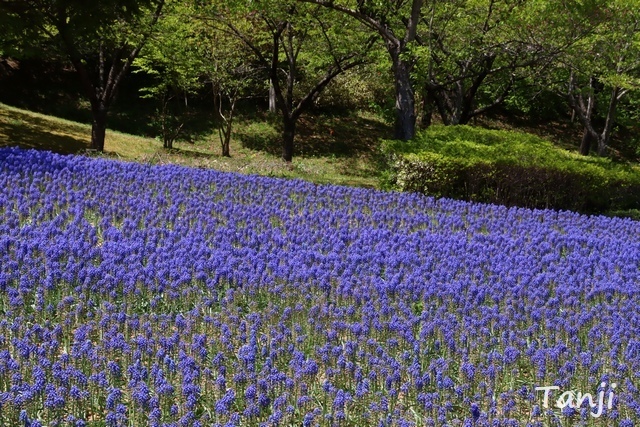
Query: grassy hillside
[{"x": 339, "y": 150}]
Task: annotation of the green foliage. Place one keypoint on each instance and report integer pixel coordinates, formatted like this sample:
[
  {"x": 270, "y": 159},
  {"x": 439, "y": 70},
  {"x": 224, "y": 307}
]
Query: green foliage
[
  {"x": 357, "y": 88},
  {"x": 510, "y": 168},
  {"x": 15, "y": 34},
  {"x": 597, "y": 62},
  {"x": 470, "y": 54},
  {"x": 537, "y": 104},
  {"x": 174, "y": 66},
  {"x": 52, "y": 23},
  {"x": 170, "y": 55}
]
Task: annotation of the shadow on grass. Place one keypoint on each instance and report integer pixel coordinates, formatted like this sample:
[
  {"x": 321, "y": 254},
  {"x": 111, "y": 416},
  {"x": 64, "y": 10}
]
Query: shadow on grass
[
  {"x": 28, "y": 131},
  {"x": 340, "y": 136},
  {"x": 633, "y": 214},
  {"x": 257, "y": 142}
]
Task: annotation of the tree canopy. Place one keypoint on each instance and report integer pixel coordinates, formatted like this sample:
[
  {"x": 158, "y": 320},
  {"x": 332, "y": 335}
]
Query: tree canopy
[
  {"x": 449, "y": 62},
  {"x": 101, "y": 40}
]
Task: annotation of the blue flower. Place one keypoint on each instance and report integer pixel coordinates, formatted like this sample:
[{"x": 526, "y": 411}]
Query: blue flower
[{"x": 475, "y": 412}]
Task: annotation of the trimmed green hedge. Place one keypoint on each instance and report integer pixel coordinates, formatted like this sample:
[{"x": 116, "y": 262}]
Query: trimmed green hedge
[{"x": 510, "y": 168}]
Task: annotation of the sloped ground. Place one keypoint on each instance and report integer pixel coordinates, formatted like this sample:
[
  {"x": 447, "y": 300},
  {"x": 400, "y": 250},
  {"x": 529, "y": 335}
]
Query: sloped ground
[
  {"x": 339, "y": 150},
  {"x": 134, "y": 294}
]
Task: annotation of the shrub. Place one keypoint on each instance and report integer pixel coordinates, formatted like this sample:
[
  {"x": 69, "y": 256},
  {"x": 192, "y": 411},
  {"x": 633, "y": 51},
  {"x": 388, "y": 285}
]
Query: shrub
[{"x": 509, "y": 168}]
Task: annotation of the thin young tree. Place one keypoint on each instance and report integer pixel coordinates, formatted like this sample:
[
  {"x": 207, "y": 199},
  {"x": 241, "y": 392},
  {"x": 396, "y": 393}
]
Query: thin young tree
[
  {"x": 173, "y": 64},
  {"x": 302, "y": 49}
]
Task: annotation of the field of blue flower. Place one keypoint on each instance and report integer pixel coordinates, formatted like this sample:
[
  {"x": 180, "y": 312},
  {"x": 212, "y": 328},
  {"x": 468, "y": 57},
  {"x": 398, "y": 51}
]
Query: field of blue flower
[{"x": 135, "y": 295}]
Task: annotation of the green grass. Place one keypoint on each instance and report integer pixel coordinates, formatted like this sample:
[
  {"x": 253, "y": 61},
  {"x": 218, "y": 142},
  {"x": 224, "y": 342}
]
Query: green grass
[
  {"x": 27, "y": 129},
  {"x": 338, "y": 150}
]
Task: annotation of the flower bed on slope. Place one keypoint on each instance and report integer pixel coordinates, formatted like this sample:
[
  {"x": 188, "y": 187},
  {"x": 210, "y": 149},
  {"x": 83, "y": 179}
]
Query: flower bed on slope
[{"x": 167, "y": 296}]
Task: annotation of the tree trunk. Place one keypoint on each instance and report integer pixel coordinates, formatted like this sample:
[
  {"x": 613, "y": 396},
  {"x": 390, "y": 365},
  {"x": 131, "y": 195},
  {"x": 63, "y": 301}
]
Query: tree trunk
[
  {"x": 98, "y": 128},
  {"x": 167, "y": 135},
  {"x": 226, "y": 134},
  {"x": 585, "y": 113},
  {"x": 216, "y": 96},
  {"x": 603, "y": 141},
  {"x": 585, "y": 145},
  {"x": 427, "y": 109},
  {"x": 167, "y": 142},
  {"x": 287, "y": 137},
  {"x": 226, "y": 122},
  {"x": 272, "y": 98},
  {"x": 603, "y": 147},
  {"x": 405, "y": 126}
]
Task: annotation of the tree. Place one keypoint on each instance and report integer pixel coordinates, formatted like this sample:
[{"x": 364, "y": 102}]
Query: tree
[
  {"x": 175, "y": 64},
  {"x": 396, "y": 22},
  {"x": 599, "y": 64},
  {"x": 230, "y": 75},
  {"x": 183, "y": 58},
  {"x": 603, "y": 68},
  {"x": 301, "y": 49},
  {"x": 470, "y": 55},
  {"x": 100, "y": 38}
]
